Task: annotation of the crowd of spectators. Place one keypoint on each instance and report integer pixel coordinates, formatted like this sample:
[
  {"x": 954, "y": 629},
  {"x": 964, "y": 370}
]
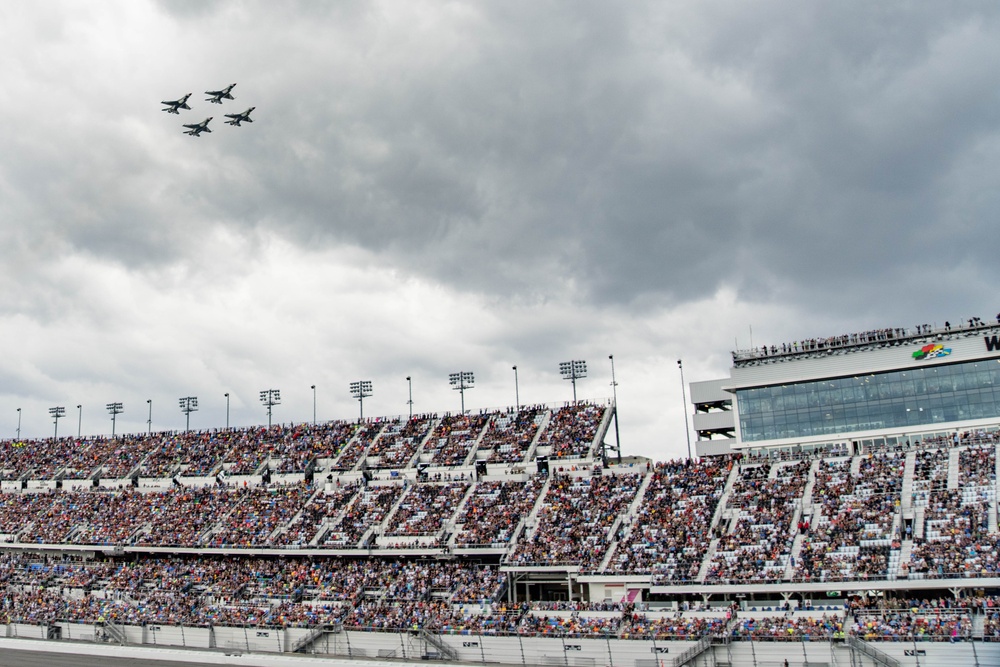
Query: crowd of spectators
[
  {"x": 323, "y": 508},
  {"x": 576, "y": 520},
  {"x": 259, "y": 514},
  {"x": 424, "y": 508},
  {"x": 832, "y": 342},
  {"x": 757, "y": 546},
  {"x": 397, "y": 595},
  {"x": 367, "y": 510},
  {"x": 854, "y": 533},
  {"x": 356, "y": 448},
  {"x": 397, "y": 444},
  {"x": 667, "y": 537},
  {"x": 301, "y": 445},
  {"x": 571, "y": 430},
  {"x": 956, "y": 541},
  {"x": 494, "y": 511},
  {"x": 788, "y": 627},
  {"x": 930, "y": 474},
  {"x": 588, "y": 518},
  {"x": 454, "y": 437},
  {"x": 861, "y": 338},
  {"x": 977, "y": 468},
  {"x": 672, "y": 627},
  {"x": 912, "y": 625},
  {"x": 509, "y": 435}
]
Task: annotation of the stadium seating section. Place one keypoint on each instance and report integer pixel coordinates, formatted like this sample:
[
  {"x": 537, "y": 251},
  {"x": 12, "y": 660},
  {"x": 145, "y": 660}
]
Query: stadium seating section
[{"x": 437, "y": 522}]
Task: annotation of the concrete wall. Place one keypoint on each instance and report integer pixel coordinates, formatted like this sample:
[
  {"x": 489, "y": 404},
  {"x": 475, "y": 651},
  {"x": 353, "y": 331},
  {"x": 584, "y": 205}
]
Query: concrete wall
[{"x": 473, "y": 649}]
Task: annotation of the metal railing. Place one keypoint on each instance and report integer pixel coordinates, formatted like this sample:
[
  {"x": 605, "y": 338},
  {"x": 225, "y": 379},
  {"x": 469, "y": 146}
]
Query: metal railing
[{"x": 881, "y": 658}]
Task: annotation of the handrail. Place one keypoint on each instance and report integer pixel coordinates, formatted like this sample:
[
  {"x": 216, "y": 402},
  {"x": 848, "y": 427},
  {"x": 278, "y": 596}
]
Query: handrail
[{"x": 878, "y": 656}]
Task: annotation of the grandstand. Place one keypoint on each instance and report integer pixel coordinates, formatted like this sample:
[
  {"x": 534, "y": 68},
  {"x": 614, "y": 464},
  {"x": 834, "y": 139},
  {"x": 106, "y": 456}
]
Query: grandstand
[{"x": 507, "y": 536}]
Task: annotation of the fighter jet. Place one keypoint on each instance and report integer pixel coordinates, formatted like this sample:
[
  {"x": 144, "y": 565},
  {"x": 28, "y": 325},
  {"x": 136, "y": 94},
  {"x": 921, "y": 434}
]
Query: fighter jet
[
  {"x": 218, "y": 95},
  {"x": 172, "y": 107},
  {"x": 238, "y": 118},
  {"x": 197, "y": 128}
]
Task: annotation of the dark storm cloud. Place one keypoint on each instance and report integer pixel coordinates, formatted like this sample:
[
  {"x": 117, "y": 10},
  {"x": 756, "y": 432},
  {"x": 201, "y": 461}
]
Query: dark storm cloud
[
  {"x": 635, "y": 153},
  {"x": 526, "y": 181}
]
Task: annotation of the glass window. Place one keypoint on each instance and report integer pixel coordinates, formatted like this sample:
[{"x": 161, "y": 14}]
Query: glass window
[{"x": 882, "y": 400}]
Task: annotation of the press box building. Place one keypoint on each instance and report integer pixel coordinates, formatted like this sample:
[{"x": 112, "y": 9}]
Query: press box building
[{"x": 868, "y": 389}]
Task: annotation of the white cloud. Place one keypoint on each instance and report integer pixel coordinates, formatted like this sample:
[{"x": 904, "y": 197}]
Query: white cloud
[{"x": 429, "y": 188}]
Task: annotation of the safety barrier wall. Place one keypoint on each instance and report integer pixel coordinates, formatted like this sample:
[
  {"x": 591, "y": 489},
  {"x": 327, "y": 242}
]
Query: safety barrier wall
[{"x": 519, "y": 650}]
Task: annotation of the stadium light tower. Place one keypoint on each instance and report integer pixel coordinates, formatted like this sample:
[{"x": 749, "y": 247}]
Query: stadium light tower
[
  {"x": 114, "y": 409},
  {"x": 517, "y": 395},
  {"x": 614, "y": 397},
  {"x": 227, "y": 410},
  {"x": 56, "y": 413},
  {"x": 270, "y": 398},
  {"x": 19, "y": 423},
  {"x": 460, "y": 382},
  {"x": 149, "y": 419},
  {"x": 409, "y": 384},
  {"x": 188, "y": 405},
  {"x": 79, "y": 420},
  {"x": 361, "y": 390},
  {"x": 573, "y": 371},
  {"x": 687, "y": 431},
  {"x": 313, "y": 387}
]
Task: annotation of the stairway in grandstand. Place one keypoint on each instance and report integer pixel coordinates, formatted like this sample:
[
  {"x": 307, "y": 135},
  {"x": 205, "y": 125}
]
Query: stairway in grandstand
[
  {"x": 303, "y": 643},
  {"x": 906, "y": 500},
  {"x": 953, "y": 469},
  {"x": 717, "y": 519},
  {"x": 805, "y": 512},
  {"x": 625, "y": 523},
  {"x": 443, "y": 650},
  {"x": 807, "y": 492}
]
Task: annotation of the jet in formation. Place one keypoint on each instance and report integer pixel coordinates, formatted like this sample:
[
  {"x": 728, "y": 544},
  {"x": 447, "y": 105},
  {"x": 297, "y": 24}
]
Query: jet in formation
[
  {"x": 173, "y": 106},
  {"x": 238, "y": 118},
  {"x": 218, "y": 95},
  {"x": 196, "y": 129}
]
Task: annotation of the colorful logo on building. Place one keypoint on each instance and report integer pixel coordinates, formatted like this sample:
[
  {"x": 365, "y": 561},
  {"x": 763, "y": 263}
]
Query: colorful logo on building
[{"x": 931, "y": 351}]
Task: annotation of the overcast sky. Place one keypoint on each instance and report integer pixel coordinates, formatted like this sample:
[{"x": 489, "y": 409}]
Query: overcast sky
[{"x": 431, "y": 187}]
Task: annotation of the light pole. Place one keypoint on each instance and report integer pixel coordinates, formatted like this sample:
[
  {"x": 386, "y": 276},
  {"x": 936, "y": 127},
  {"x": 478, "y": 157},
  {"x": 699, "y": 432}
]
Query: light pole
[
  {"x": 313, "y": 387},
  {"x": 687, "y": 431},
  {"x": 19, "y": 423},
  {"x": 56, "y": 413},
  {"x": 409, "y": 384},
  {"x": 227, "y": 410},
  {"x": 460, "y": 382},
  {"x": 79, "y": 420},
  {"x": 270, "y": 398},
  {"x": 614, "y": 396},
  {"x": 114, "y": 409},
  {"x": 149, "y": 420},
  {"x": 517, "y": 395},
  {"x": 361, "y": 390},
  {"x": 188, "y": 405},
  {"x": 572, "y": 371}
]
